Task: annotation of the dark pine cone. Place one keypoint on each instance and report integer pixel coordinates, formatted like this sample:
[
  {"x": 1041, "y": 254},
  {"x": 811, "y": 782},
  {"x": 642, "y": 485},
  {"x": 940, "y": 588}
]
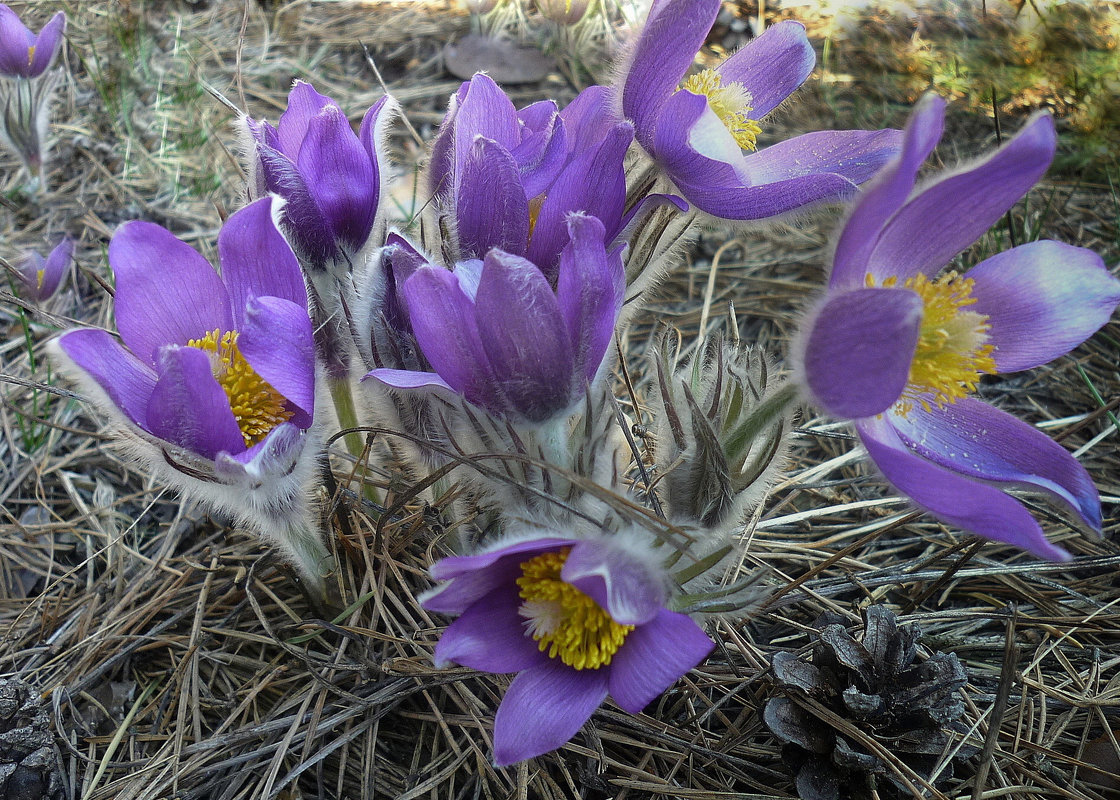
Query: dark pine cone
[
  {"x": 875, "y": 685},
  {"x": 29, "y": 767}
]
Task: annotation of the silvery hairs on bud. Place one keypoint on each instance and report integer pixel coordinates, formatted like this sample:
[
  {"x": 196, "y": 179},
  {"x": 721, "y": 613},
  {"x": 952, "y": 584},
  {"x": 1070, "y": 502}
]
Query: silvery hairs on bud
[{"x": 709, "y": 480}]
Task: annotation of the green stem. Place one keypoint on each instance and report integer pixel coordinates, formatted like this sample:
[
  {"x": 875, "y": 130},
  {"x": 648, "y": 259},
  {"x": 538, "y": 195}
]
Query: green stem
[
  {"x": 763, "y": 416},
  {"x": 348, "y": 418}
]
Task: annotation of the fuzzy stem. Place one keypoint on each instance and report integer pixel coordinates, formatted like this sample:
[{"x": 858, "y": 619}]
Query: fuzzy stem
[
  {"x": 763, "y": 416},
  {"x": 308, "y": 554}
]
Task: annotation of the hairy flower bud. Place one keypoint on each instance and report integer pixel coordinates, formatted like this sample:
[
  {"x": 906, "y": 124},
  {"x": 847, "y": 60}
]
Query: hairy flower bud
[{"x": 716, "y": 464}]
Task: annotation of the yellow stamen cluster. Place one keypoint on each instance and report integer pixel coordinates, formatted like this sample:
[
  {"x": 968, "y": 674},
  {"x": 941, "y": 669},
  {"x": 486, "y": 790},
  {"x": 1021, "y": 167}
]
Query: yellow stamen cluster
[
  {"x": 730, "y": 102},
  {"x": 953, "y": 350},
  {"x": 565, "y": 621},
  {"x": 257, "y": 407}
]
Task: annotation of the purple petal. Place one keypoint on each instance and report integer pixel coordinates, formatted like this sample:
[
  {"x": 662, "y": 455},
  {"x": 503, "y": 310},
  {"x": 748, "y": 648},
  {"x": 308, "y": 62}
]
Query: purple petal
[
  {"x": 490, "y": 636},
  {"x": 973, "y": 438},
  {"x": 16, "y": 41},
  {"x": 50, "y": 39},
  {"x": 601, "y": 168},
  {"x": 960, "y": 501},
  {"x": 122, "y": 376},
  {"x": 1042, "y": 300},
  {"x": 768, "y": 199},
  {"x": 588, "y": 119},
  {"x": 484, "y": 111},
  {"x": 666, "y": 48},
  {"x": 56, "y": 265},
  {"x": 271, "y": 458},
  {"x": 859, "y": 349},
  {"x": 257, "y": 260},
  {"x": 544, "y": 707},
  {"x": 340, "y": 176},
  {"x": 408, "y": 379},
  {"x": 166, "y": 292},
  {"x": 964, "y": 205},
  {"x": 854, "y": 155},
  {"x": 524, "y": 336},
  {"x": 40, "y": 276},
  {"x": 443, "y": 321},
  {"x": 455, "y": 566},
  {"x": 542, "y": 153},
  {"x": 372, "y": 135},
  {"x": 589, "y": 292},
  {"x": 624, "y": 584},
  {"x": 720, "y": 185},
  {"x": 277, "y": 341},
  {"x": 491, "y": 207},
  {"x": 441, "y": 162},
  {"x": 189, "y": 408},
  {"x": 470, "y": 578},
  {"x": 771, "y": 66},
  {"x": 886, "y": 194},
  {"x": 654, "y": 656},
  {"x": 310, "y": 232},
  {"x": 693, "y": 145},
  {"x": 303, "y": 104}
]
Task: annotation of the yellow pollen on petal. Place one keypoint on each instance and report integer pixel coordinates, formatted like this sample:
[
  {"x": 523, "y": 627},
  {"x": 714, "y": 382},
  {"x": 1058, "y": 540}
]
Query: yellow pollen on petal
[
  {"x": 953, "y": 349},
  {"x": 730, "y": 102},
  {"x": 565, "y": 621},
  {"x": 535, "y": 206},
  {"x": 30, "y": 54},
  {"x": 257, "y": 407},
  {"x": 40, "y": 276}
]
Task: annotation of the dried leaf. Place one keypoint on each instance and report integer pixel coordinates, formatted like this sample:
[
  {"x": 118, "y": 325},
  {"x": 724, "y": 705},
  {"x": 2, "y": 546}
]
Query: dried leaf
[{"x": 505, "y": 61}]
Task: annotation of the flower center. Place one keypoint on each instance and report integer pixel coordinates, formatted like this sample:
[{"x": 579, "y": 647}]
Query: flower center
[
  {"x": 257, "y": 407},
  {"x": 731, "y": 103},
  {"x": 953, "y": 350},
  {"x": 565, "y": 621}
]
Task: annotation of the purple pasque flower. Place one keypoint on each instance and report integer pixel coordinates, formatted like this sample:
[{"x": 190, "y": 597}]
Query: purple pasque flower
[
  {"x": 41, "y": 277},
  {"x": 899, "y": 346},
  {"x": 697, "y": 132},
  {"x": 24, "y": 54},
  {"x": 576, "y": 619},
  {"x": 214, "y": 364},
  {"x": 510, "y": 177},
  {"x": 498, "y": 334},
  {"x": 213, "y": 378},
  {"x": 331, "y": 179}
]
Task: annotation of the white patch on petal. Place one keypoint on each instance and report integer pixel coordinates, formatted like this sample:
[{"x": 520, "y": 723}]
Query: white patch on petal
[{"x": 710, "y": 138}]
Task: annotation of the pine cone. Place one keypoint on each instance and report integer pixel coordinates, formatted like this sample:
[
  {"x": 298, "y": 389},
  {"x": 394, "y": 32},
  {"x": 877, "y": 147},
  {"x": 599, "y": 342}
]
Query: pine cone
[
  {"x": 29, "y": 768},
  {"x": 874, "y": 684}
]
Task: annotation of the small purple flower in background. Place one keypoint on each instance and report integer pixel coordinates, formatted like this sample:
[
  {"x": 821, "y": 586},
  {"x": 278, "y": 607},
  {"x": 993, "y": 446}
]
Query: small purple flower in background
[
  {"x": 41, "y": 277},
  {"x": 213, "y": 378},
  {"x": 22, "y": 53},
  {"x": 576, "y": 619},
  {"x": 697, "y": 133},
  {"x": 496, "y": 332},
  {"x": 331, "y": 179},
  {"x": 27, "y": 88},
  {"x": 899, "y": 346}
]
